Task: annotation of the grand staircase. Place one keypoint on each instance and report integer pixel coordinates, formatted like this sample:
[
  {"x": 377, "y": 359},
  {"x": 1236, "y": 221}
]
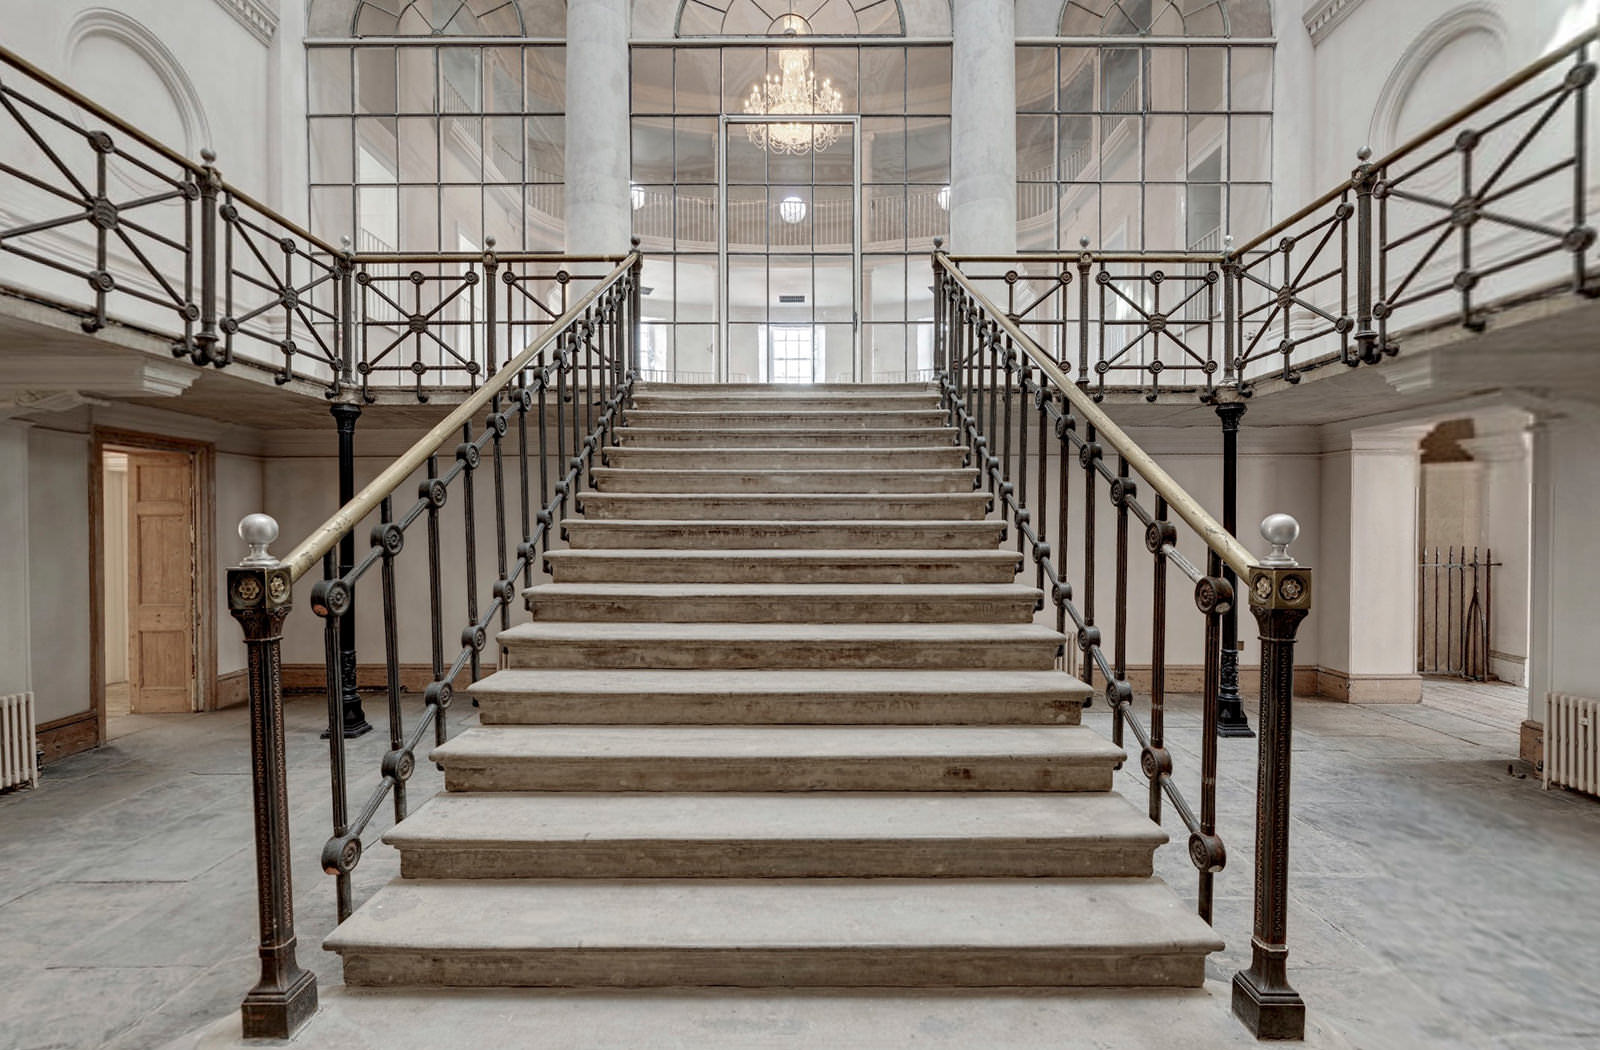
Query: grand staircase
[{"x": 783, "y": 719}]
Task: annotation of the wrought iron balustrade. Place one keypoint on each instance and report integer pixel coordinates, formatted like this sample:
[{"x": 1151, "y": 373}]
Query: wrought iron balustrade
[
  {"x": 517, "y": 451},
  {"x": 1032, "y": 431}
]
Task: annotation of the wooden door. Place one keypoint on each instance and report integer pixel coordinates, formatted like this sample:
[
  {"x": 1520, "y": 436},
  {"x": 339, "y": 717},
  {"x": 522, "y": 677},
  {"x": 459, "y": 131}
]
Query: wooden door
[{"x": 161, "y": 582}]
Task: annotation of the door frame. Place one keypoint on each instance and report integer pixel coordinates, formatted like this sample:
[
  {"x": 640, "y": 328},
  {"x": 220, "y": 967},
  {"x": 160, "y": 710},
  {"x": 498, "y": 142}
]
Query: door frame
[
  {"x": 720, "y": 361},
  {"x": 203, "y": 457}
]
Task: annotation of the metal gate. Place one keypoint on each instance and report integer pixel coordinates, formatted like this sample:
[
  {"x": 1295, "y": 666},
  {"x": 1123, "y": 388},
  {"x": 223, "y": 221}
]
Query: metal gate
[{"x": 1454, "y": 589}]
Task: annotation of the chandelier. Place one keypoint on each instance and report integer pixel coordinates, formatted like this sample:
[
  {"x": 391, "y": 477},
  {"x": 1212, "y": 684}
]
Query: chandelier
[{"x": 793, "y": 91}]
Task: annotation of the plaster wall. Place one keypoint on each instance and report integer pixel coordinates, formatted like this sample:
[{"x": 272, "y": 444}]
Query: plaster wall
[
  {"x": 58, "y": 580},
  {"x": 1565, "y": 586},
  {"x": 15, "y": 598}
]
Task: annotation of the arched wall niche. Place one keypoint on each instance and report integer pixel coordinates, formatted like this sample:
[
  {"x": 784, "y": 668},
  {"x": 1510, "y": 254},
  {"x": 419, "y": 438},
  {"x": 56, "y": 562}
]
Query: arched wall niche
[
  {"x": 1467, "y": 44},
  {"x": 110, "y": 55},
  {"x": 341, "y": 19}
]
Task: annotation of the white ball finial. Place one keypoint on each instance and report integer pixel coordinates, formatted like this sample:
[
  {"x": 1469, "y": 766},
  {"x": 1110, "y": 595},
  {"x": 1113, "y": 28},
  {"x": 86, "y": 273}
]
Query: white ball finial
[
  {"x": 258, "y": 531},
  {"x": 1280, "y": 530}
]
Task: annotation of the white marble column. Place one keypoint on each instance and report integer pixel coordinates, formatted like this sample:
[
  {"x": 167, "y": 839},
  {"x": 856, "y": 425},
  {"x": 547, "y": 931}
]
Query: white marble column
[
  {"x": 1366, "y": 608},
  {"x": 983, "y": 128},
  {"x": 599, "y": 218}
]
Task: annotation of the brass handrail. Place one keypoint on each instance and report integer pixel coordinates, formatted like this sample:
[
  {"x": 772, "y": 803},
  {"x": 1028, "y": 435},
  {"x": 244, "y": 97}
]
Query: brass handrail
[
  {"x": 321, "y": 540},
  {"x": 1228, "y": 548}
]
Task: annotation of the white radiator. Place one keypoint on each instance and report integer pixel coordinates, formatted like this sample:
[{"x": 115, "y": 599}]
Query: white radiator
[
  {"x": 19, "y": 763},
  {"x": 1572, "y": 742}
]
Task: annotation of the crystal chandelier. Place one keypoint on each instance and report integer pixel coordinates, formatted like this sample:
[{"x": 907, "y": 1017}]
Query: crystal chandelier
[{"x": 794, "y": 91}]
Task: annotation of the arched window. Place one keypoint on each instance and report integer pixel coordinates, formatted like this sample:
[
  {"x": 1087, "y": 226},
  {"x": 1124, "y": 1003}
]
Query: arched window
[
  {"x": 1167, "y": 18},
  {"x": 437, "y": 18},
  {"x": 750, "y": 18}
]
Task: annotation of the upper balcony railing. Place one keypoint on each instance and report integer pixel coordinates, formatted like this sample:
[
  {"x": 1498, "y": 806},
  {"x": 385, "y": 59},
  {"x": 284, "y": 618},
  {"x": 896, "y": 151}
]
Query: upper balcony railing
[{"x": 103, "y": 220}]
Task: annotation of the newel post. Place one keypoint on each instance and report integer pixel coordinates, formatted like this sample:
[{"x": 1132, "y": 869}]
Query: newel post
[
  {"x": 1280, "y": 597},
  {"x": 260, "y": 595}
]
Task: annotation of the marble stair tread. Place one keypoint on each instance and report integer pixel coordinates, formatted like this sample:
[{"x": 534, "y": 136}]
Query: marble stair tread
[
  {"x": 787, "y": 835},
  {"x": 775, "y": 534},
  {"x": 1015, "y": 646},
  {"x": 722, "y": 436},
  {"x": 921, "y": 400},
  {"x": 783, "y": 566},
  {"x": 881, "y": 480},
  {"x": 786, "y": 416},
  {"x": 523, "y": 696},
  {"x": 784, "y": 602},
  {"x": 925, "y": 457},
  {"x": 771, "y": 932},
  {"x": 786, "y": 506},
  {"x": 782, "y": 390}
]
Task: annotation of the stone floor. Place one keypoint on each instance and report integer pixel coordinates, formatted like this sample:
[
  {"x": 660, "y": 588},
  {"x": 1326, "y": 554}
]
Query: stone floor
[{"x": 1439, "y": 899}]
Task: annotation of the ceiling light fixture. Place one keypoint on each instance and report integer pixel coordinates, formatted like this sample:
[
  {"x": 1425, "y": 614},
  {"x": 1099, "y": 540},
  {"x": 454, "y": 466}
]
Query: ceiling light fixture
[
  {"x": 792, "y": 210},
  {"x": 794, "y": 91}
]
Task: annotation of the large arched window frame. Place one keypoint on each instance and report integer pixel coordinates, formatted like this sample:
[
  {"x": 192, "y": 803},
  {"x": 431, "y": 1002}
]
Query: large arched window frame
[
  {"x": 740, "y": 18},
  {"x": 418, "y": 143}
]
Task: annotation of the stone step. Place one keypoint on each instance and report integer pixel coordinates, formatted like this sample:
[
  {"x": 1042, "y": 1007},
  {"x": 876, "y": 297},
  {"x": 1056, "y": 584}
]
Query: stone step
[
  {"x": 784, "y": 602},
  {"x": 784, "y": 417},
  {"x": 723, "y": 436},
  {"x": 774, "y": 933},
  {"x": 525, "y": 696},
  {"x": 930, "y": 457},
  {"x": 506, "y": 835},
  {"x": 787, "y": 506},
  {"x": 590, "y": 534},
  {"x": 713, "y": 479},
  {"x": 784, "y": 566},
  {"x": 915, "y": 401},
  {"x": 777, "y": 758},
  {"x": 1017, "y": 647},
  {"x": 781, "y": 391}
]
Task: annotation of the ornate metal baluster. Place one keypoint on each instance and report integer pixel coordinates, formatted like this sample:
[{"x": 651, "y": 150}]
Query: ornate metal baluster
[
  {"x": 1087, "y": 455},
  {"x": 330, "y": 599},
  {"x": 1157, "y": 762},
  {"x": 1121, "y": 492},
  {"x": 468, "y": 455},
  {"x": 390, "y": 538},
  {"x": 1214, "y": 597}
]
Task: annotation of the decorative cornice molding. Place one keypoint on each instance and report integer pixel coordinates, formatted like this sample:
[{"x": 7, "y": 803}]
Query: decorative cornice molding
[
  {"x": 1322, "y": 15},
  {"x": 258, "y": 16}
]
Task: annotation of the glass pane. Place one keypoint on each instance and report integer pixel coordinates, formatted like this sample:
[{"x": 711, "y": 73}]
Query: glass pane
[
  {"x": 747, "y": 288},
  {"x": 1119, "y": 80},
  {"x": 502, "y": 216},
  {"x": 545, "y": 216},
  {"x": 377, "y": 157},
  {"x": 697, "y": 218},
  {"x": 460, "y": 149},
  {"x": 1165, "y": 157},
  {"x": 1078, "y": 65},
  {"x": 544, "y": 79},
  {"x": 547, "y": 155},
  {"x": 378, "y": 218},
  {"x": 741, "y": 68},
  {"x": 461, "y": 219},
  {"x": 883, "y": 80},
  {"x": 328, "y": 79},
  {"x": 834, "y": 218},
  {"x": 1248, "y": 210},
  {"x": 835, "y": 165},
  {"x": 927, "y": 80},
  {"x": 502, "y": 80},
  {"x": 1120, "y": 139},
  {"x": 694, "y": 353},
  {"x": 1079, "y": 134},
  {"x": 331, "y": 149},
  {"x": 1203, "y": 217},
  {"x": 502, "y": 160},
  {"x": 1036, "y": 79},
  {"x": 417, "y": 80},
  {"x": 1036, "y": 216},
  {"x": 1080, "y": 216},
  {"x": 651, "y": 81},
  {"x": 375, "y": 80},
  {"x": 744, "y": 353},
  {"x": 1167, "y": 78},
  {"x": 419, "y": 149},
  {"x": 789, "y": 217},
  {"x": 928, "y": 150},
  {"x": 1250, "y": 70},
  {"x": 1164, "y": 224},
  {"x": 1249, "y": 148},
  {"x": 883, "y": 287},
  {"x": 746, "y": 161},
  {"x": 1206, "y": 140},
  {"x": 459, "y": 80},
  {"x": 1120, "y": 218},
  {"x": 652, "y": 149},
  {"x": 885, "y": 220},
  {"x": 927, "y": 216},
  {"x": 836, "y": 350},
  {"x": 653, "y": 208},
  {"x": 747, "y": 218},
  {"x": 790, "y": 296},
  {"x": 332, "y": 211},
  {"x": 695, "y": 286},
  {"x": 696, "y": 149},
  {"x": 883, "y": 149},
  {"x": 1036, "y": 148},
  {"x": 836, "y": 291},
  {"x": 836, "y": 67},
  {"x": 698, "y": 79},
  {"x": 887, "y": 358},
  {"x": 1207, "y": 78},
  {"x": 790, "y": 169},
  {"x": 419, "y": 218}
]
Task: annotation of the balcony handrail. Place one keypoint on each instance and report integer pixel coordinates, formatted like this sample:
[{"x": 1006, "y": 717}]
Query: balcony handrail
[
  {"x": 1218, "y": 539},
  {"x": 321, "y": 540},
  {"x": 1421, "y": 138}
]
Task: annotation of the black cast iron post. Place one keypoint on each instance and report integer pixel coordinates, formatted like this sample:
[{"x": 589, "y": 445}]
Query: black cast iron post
[
  {"x": 345, "y": 414},
  {"x": 1231, "y": 720},
  {"x": 259, "y": 597},
  {"x": 1280, "y": 597}
]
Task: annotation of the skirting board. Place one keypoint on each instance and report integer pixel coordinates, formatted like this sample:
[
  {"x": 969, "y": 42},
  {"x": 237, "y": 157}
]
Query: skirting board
[
  {"x": 313, "y": 678},
  {"x": 1369, "y": 688},
  {"x": 233, "y": 689},
  {"x": 68, "y": 736},
  {"x": 1531, "y": 743},
  {"x": 1190, "y": 678}
]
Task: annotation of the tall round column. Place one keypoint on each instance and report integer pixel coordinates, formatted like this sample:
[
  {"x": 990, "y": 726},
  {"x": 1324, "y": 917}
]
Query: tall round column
[
  {"x": 983, "y": 128},
  {"x": 599, "y": 219}
]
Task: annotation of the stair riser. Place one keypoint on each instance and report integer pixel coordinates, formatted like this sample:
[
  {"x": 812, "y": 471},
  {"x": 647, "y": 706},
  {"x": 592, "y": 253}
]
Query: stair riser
[
  {"x": 867, "y": 967},
  {"x": 786, "y": 709},
  {"x": 761, "y": 608},
  {"x": 608, "y": 479},
  {"x": 766, "y": 773},
  {"x": 619, "y": 535},
  {"x": 921, "y": 402},
  {"x": 1019, "y": 655},
  {"x": 781, "y": 390},
  {"x": 634, "y": 457},
  {"x": 786, "y": 418},
  {"x": 949, "y": 507},
  {"x": 632, "y": 569},
  {"x": 834, "y": 439},
  {"x": 781, "y": 859}
]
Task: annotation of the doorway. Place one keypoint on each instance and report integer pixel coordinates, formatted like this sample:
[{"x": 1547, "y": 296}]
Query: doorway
[
  {"x": 791, "y": 250},
  {"x": 153, "y": 512}
]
